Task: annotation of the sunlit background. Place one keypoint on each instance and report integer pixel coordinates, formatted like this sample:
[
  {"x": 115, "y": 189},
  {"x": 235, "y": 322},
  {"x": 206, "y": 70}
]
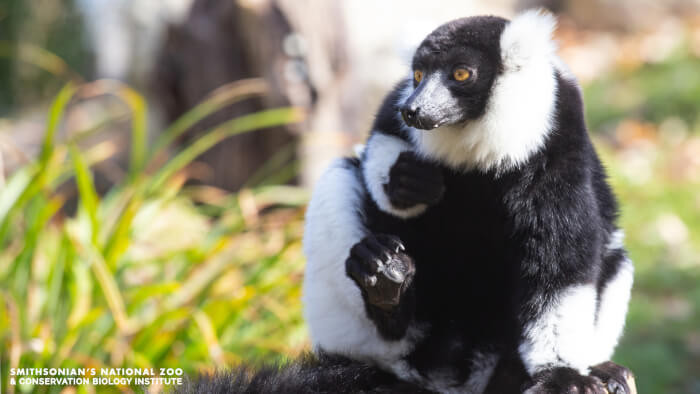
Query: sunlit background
[{"x": 156, "y": 158}]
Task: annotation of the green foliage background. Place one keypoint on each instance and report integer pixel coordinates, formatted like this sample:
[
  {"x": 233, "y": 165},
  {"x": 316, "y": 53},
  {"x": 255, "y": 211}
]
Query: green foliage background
[
  {"x": 144, "y": 277},
  {"x": 647, "y": 126},
  {"x": 45, "y": 33}
]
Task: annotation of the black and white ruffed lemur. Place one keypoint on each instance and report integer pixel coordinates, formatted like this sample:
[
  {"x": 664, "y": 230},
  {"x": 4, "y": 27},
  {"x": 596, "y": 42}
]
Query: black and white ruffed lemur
[{"x": 472, "y": 246}]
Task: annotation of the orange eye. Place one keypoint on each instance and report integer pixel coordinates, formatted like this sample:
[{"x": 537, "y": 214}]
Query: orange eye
[
  {"x": 418, "y": 75},
  {"x": 461, "y": 74}
]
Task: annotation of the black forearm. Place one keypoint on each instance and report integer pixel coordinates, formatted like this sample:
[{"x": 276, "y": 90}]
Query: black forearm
[
  {"x": 392, "y": 323},
  {"x": 384, "y": 273}
]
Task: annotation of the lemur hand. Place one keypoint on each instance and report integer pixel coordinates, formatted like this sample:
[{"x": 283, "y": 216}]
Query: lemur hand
[
  {"x": 616, "y": 378},
  {"x": 381, "y": 269},
  {"x": 413, "y": 181}
]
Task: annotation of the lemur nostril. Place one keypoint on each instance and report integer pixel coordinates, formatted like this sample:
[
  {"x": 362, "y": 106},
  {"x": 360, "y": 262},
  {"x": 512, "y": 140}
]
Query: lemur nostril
[{"x": 410, "y": 114}]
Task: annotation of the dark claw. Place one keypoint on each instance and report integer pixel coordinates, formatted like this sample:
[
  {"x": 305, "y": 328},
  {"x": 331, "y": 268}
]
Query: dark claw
[{"x": 390, "y": 241}]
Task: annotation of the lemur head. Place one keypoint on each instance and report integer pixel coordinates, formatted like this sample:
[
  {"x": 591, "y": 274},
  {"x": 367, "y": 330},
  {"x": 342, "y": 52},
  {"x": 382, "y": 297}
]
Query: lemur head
[{"x": 483, "y": 90}]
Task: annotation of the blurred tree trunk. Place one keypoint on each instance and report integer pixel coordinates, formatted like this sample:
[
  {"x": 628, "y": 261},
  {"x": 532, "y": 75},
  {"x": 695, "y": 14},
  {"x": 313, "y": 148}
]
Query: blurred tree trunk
[
  {"x": 340, "y": 97},
  {"x": 221, "y": 42}
]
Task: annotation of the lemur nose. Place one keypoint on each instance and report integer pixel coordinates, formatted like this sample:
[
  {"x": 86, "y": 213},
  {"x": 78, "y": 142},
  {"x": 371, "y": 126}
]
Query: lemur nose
[{"x": 410, "y": 114}]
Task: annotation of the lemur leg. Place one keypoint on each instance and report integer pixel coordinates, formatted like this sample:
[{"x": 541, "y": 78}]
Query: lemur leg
[
  {"x": 567, "y": 348},
  {"x": 612, "y": 309},
  {"x": 557, "y": 345},
  {"x": 334, "y": 306}
]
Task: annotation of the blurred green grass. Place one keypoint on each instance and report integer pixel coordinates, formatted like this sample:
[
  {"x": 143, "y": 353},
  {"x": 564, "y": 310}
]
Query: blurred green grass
[
  {"x": 153, "y": 274},
  {"x": 157, "y": 274},
  {"x": 646, "y": 122},
  {"x": 651, "y": 92},
  {"x": 661, "y": 218}
]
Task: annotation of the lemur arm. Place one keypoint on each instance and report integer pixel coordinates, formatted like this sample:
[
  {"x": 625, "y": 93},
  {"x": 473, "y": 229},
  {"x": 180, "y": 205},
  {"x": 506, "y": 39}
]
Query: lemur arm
[
  {"x": 384, "y": 273},
  {"x": 335, "y": 307}
]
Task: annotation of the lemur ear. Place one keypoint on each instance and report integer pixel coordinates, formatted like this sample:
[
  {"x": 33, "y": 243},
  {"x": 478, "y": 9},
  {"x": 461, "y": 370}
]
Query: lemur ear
[{"x": 527, "y": 38}]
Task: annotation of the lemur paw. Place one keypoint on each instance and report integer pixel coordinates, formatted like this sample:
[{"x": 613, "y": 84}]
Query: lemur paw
[
  {"x": 381, "y": 269},
  {"x": 562, "y": 380},
  {"x": 616, "y": 378},
  {"x": 413, "y": 181}
]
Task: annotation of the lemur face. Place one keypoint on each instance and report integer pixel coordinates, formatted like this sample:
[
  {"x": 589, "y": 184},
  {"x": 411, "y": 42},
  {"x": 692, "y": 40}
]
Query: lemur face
[
  {"x": 488, "y": 87},
  {"x": 453, "y": 71}
]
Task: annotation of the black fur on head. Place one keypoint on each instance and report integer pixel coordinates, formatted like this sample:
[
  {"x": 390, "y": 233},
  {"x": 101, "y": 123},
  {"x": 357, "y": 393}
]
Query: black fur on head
[{"x": 439, "y": 98}]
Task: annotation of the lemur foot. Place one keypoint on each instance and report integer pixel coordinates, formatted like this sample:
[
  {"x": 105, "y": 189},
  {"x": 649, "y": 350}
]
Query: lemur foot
[
  {"x": 381, "y": 269},
  {"x": 562, "y": 380},
  {"x": 413, "y": 181},
  {"x": 616, "y": 378}
]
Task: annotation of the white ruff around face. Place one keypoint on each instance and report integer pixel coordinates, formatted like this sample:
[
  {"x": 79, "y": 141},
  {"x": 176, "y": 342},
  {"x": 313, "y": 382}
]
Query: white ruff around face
[{"x": 519, "y": 114}]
